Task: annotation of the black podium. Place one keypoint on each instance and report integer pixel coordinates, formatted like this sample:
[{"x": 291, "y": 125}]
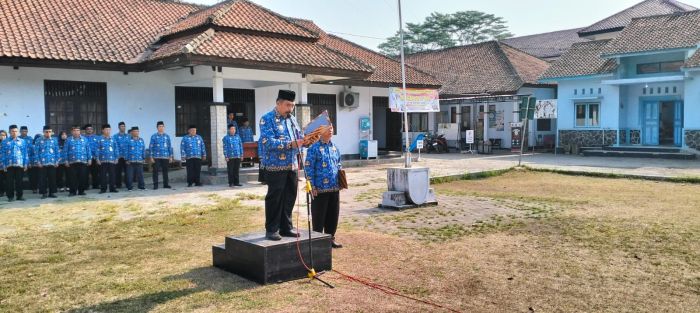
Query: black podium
[{"x": 265, "y": 261}]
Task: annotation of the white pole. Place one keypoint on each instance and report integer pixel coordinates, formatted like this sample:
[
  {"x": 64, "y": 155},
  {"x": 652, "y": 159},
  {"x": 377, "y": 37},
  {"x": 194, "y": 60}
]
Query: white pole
[{"x": 403, "y": 82}]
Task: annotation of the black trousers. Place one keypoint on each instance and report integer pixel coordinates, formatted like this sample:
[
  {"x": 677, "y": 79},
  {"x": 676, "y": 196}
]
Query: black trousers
[
  {"x": 107, "y": 176},
  {"x": 279, "y": 202},
  {"x": 61, "y": 175},
  {"x": 34, "y": 178},
  {"x": 94, "y": 174},
  {"x": 158, "y": 166},
  {"x": 3, "y": 174},
  {"x": 233, "y": 166},
  {"x": 261, "y": 174},
  {"x": 134, "y": 173},
  {"x": 194, "y": 171},
  {"x": 47, "y": 180},
  {"x": 13, "y": 180},
  {"x": 325, "y": 209},
  {"x": 121, "y": 172},
  {"x": 77, "y": 177}
]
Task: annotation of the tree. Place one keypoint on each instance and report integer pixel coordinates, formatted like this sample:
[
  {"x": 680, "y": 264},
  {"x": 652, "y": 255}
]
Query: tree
[{"x": 439, "y": 31}]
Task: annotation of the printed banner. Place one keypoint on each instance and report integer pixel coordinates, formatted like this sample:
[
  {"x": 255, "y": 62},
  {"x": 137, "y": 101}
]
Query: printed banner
[
  {"x": 546, "y": 109},
  {"x": 419, "y": 100}
]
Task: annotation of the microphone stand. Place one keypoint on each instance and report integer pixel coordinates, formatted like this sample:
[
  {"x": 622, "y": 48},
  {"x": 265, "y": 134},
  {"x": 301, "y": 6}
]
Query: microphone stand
[{"x": 309, "y": 197}]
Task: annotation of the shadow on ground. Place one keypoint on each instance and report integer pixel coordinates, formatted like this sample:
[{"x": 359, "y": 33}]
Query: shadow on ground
[{"x": 204, "y": 279}]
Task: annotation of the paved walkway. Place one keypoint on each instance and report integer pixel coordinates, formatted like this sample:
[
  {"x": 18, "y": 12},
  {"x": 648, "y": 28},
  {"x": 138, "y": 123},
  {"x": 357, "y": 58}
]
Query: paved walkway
[{"x": 369, "y": 181}]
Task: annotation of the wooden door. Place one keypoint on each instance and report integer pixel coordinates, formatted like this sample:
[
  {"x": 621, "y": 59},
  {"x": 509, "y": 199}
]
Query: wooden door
[{"x": 650, "y": 123}]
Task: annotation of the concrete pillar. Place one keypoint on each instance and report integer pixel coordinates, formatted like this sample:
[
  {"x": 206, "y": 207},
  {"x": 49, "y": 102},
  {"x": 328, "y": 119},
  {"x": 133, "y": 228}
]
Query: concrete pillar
[
  {"x": 486, "y": 121},
  {"x": 303, "y": 110},
  {"x": 217, "y": 112}
]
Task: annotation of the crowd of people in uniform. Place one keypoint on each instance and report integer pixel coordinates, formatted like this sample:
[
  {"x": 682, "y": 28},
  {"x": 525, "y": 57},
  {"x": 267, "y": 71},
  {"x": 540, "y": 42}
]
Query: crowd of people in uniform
[{"x": 79, "y": 160}]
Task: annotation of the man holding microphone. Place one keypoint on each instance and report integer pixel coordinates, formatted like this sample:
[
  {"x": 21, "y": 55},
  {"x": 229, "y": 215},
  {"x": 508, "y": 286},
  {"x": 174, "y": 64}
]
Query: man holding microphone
[{"x": 280, "y": 138}]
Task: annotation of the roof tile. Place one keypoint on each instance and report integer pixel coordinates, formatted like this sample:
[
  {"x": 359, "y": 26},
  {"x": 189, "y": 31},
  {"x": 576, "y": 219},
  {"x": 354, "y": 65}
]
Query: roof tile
[
  {"x": 661, "y": 32},
  {"x": 548, "y": 46},
  {"x": 642, "y": 9},
  {"x": 581, "y": 60}
]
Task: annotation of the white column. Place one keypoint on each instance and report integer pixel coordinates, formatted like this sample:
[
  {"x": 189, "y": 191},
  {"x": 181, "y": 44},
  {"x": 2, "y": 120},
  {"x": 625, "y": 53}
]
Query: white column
[
  {"x": 218, "y": 125},
  {"x": 303, "y": 113},
  {"x": 486, "y": 121}
]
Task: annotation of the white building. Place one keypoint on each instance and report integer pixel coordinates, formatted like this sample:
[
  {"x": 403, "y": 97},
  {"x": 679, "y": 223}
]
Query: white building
[{"x": 141, "y": 61}]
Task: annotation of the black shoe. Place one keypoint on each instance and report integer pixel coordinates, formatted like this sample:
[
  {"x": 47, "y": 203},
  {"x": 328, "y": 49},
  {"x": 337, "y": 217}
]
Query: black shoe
[
  {"x": 10, "y": 199},
  {"x": 21, "y": 199},
  {"x": 273, "y": 236},
  {"x": 52, "y": 196},
  {"x": 238, "y": 185},
  {"x": 103, "y": 191},
  {"x": 336, "y": 245},
  {"x": 44, "y": 196},
  {"x": 189, "y": 185},
  {"x": 114, "y": 191},
  {"x": 198, "y": 185},
  {"x": 289, "y": 233},
  {"x": 167, "y": 187},
  {"x": 82, "y": 193},
  {"x": 72, "y": 194},
  {"x": 155, "y": 187},
  {"x": 142, "y": 188}
]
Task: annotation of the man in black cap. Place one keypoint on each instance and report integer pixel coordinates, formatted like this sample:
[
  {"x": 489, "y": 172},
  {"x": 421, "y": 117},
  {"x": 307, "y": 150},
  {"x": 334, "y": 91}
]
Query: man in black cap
[
  {"x": 193, "y": 152},
  {"x": 94, "y": 167},
  {"x": 280, "y": 136},
  {"x": 47, "y": 157},
  {"x": 32, "y": 172},
  {"x": 15, "y": 162},
  {"x": 161, "y": 150},
  {"x": 122, "y": 140}
]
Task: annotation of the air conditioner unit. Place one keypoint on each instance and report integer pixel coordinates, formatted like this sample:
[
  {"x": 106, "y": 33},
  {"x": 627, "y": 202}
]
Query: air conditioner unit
[{"x": 349, "y": 99}]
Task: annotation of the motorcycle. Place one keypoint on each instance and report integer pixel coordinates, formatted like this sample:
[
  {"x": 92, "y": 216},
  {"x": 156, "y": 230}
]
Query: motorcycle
[{"x": 436, "y": 143}]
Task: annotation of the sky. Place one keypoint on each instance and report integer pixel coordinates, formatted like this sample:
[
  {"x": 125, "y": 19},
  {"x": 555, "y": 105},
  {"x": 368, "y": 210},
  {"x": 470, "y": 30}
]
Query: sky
[{"x": 369, "y": 22}]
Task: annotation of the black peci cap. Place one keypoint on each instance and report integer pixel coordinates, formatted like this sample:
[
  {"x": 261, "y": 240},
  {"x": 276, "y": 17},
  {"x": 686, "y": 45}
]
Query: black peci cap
[
  {"x": 23, "y": 128},
  {"x": 47, "y": 127},
  {"x": 160, "y": 123},
  {"x": 191, "y": 126},
  {"x": 106, "y": 126},
  {"x": 286, "y": 95},
  {"x": 121, "y": 124},
  {"x": 13, "y": 126}
]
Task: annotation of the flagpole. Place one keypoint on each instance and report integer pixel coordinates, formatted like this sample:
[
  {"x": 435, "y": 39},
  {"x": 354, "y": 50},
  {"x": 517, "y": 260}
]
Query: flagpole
[{"x": 407, "y": 163}]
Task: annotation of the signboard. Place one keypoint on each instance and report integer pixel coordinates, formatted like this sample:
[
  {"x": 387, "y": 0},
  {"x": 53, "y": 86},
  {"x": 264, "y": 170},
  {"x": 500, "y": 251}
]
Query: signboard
[
  {"x": 419, "y": 144},
  {"x": 546, "y": 109},
  {"x": 516, "y": 135},
  {"x": 469, "y": 136},
  {"x": 419, "y": 100}
]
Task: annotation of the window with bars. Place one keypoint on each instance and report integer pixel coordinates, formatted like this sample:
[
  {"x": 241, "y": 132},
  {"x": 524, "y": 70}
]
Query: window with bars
[
  {"x": 192, "y": 107},
  {"x": 418, "y": 122},
  {"x": 320, "y": 102},
  {"x": 69, "y": 103}
]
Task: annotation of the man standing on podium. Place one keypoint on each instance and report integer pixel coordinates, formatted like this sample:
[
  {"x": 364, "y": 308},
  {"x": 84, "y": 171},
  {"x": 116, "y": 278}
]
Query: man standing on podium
[{"x": 281, "y": 140}]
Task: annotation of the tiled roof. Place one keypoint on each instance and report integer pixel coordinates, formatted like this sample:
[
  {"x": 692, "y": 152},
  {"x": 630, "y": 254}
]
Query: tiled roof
[
  {"x": 680, "y": 30},
  {"x": 693, "y": 61},
  {"x": 241, "y": 15},
  {"x": 621, "y": 19},
  {"x": 240, "y": 48},
  {"x": 582, "y": 59},
  {"x": 489, "y": 67},
  {"x": 548, "y": 46},
  {"x": 84, "y": 30},
  {"x": 387, "y": 71}
]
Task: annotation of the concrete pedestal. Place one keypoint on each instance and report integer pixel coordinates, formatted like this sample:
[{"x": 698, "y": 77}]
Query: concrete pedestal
[
  {"x": 265, "y": 261},
  {"x": 408, "y": 187}
]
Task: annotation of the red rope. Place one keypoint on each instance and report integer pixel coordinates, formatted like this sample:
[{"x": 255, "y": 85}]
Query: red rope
[{"x": 392, "y": 291}]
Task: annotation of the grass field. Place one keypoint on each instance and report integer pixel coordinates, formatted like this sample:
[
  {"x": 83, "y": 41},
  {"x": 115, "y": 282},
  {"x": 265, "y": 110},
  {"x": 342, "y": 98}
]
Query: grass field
[{"x": 560, "y": 244}]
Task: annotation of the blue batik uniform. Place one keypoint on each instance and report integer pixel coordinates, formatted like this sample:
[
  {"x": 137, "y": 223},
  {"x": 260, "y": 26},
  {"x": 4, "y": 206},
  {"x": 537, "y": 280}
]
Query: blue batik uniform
[
  {"x": 246, "y": 134},
  {"x": 193, "y": 147},
  {"x": 46, "y": 151},
  {"x": 93, "y": 139},
  {"x": 277, "y": 135},
  {"x": 160, "y": 146},
  {"x": 29, "y": 140},
  {"x": 15, "y": 153},
  {"x": 107, "y": 150},
  {"x": 136, "y": 151},
  {"x": 233, "y": 147},
  {"x": 77, "y": 150},
  {"x": 122, "y": 141},
  {"x": 322, "y": 166}
]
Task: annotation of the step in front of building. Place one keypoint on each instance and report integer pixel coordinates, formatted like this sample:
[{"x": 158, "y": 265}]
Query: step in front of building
[{"x": 641, "y": 154}]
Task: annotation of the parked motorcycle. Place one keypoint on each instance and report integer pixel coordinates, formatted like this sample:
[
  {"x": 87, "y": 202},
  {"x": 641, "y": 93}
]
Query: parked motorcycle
[{"x": 436, "y": 143}]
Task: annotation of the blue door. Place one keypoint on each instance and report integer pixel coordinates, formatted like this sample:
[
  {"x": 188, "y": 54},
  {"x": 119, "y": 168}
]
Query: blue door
[
  {"x": 650, "y": 123},
  {"x": 678, "y": 124}
]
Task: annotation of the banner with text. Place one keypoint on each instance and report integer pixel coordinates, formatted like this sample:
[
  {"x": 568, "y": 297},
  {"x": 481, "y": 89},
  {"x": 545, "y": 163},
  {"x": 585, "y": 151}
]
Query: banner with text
[{"x": 419, "y": 100}]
